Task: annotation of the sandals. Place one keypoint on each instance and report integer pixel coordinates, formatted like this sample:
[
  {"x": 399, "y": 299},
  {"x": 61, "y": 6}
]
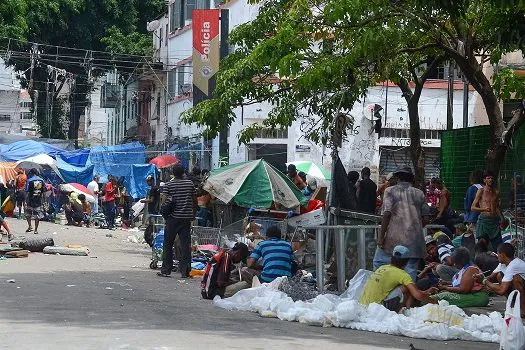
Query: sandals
[
  {"x": 36, "y": 232},
  {"x": 29, "y": 229},
  {"x": 162, "y": 274}
]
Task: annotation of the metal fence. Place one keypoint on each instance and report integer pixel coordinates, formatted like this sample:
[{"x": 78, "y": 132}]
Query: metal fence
[{"x": 355, "y": 247}]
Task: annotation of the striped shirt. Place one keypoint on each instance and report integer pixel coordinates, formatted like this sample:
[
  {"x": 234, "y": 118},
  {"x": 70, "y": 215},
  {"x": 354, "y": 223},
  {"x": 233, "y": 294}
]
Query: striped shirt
[
  {"x": 277, "y": 258},
  {"x": 445, "y": 250},
  {"x": 183, "y": 193}
]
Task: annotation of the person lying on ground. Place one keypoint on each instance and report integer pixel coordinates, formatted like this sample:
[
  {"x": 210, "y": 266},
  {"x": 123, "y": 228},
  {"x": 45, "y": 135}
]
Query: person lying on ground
[
  {"x": 510, "y": 275},
  {"x": 276, "y": 255},
  {"x": 445, "y": 270},
  {"x": 217, "y": 276},
  {"x": 391, "y": 286},
  {"x": 465, "y": 290}
]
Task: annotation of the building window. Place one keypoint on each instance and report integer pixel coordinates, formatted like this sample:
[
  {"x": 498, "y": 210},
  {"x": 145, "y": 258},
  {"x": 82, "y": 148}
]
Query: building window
[
  {"x": 25, "y": 104},
  {"x": 161, "y": 36},
  {"x": 176, "y": 15},
  {"x": 153, "y": 137},
  {"x": 172, "y": 82},
  {"x": 26, "y": 115},
  {"x": 5, "y": 117},
  {"x": 270, "y": 133},
  {"x": 167, "y": 32}
]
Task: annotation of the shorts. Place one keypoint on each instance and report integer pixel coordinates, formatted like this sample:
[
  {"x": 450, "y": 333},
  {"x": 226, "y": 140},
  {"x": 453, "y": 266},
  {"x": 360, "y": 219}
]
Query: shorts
[
  {"x": 35, "y": 212},
  {"x": 394, "y": 300}
]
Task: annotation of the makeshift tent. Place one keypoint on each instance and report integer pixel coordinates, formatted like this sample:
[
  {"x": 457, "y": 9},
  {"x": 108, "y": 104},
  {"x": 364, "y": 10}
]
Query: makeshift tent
[
  {"x": 7, "y": 171},
  {"x": 134, "y": 176},
  {"x": 184, "y": 153},
  {"x": 129, "y": 153},
  {"x": 41, "y": 162},
  {"x": 25, "y": 149},
  {"x": 79, "y": 174},
  {"x": 77, "y": 158}
]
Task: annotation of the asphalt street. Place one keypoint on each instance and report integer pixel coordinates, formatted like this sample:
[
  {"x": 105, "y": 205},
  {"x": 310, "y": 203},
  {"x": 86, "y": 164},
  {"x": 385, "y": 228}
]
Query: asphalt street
[{"x": 112, "y": 300}]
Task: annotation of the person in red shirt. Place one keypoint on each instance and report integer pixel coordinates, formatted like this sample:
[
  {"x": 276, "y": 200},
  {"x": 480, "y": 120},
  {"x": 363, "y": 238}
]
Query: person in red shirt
[
  {"x": 110, "y": 193},
  {"x": 20, "y": 182},
  {"x": 296, "y": 179}
]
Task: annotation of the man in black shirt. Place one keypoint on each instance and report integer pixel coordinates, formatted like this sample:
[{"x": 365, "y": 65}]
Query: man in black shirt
[
  {"x": 366, "y": 193},
  {"x": 182, "y": 194}
]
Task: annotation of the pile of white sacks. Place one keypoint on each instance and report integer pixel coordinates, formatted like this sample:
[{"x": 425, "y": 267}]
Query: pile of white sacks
[{"x": 440, "y": 322}]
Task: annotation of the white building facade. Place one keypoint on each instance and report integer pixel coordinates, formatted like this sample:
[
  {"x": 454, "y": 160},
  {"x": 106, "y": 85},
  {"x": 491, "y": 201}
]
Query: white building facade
[{"x": 172, "y": 94}]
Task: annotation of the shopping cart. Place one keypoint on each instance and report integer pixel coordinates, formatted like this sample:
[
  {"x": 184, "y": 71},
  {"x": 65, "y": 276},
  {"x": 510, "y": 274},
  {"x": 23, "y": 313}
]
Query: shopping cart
[
  {"x": 158, "y": 240},
  {"x": 264, "y": 223}
]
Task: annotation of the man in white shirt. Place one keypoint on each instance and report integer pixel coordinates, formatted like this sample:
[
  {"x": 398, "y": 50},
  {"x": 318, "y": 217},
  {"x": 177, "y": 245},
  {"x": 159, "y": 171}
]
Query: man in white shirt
[
  {"x": 93, "y": 186},
  {"x": 512, "y": 276}
]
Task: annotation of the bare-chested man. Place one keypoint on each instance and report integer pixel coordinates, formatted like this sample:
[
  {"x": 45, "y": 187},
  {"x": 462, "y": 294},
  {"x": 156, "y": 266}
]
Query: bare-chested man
[{"x": 487, "y": 203}]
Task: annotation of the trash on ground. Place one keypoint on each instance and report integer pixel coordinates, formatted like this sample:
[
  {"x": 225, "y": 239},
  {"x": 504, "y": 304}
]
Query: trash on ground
[
  {"x": 76, "y": 250},
  {"x": 11, "y": 281}
]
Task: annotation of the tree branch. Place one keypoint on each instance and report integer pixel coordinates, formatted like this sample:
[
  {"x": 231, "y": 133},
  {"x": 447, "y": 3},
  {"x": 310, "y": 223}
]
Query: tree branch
[{"x": 418, "y": 48}]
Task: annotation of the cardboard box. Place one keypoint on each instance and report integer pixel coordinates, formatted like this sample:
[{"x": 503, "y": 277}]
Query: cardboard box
[{"x": 313, "y": 218}]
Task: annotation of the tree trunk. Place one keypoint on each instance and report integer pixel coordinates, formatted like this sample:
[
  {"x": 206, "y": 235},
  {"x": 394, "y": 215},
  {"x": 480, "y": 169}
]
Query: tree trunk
[
  {"x": 417, "y": 155},
  {"x": 472, "y": 69}
]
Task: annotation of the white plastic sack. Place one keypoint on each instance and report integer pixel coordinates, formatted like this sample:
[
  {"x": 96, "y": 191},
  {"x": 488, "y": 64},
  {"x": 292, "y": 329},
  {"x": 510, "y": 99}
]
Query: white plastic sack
[
  {"x": 512, "y": 332},
  {"x": 356, "y": 285}
]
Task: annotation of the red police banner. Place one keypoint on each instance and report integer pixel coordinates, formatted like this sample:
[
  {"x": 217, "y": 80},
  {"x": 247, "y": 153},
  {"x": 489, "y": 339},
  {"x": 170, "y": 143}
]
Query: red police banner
[{"x": 206, "y": 55}]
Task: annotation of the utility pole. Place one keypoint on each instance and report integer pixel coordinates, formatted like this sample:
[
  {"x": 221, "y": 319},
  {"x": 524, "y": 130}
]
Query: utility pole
[
  {"x": 450, "y": 97},
  {"x": 465, "y": 102},
  {"x": 88, "y": 63}
]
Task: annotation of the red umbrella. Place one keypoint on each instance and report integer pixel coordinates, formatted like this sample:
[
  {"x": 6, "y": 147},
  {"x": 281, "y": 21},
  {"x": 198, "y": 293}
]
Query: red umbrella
[
  {"x": 164, "y": 161},
  {"x": 79, "y": 189}
]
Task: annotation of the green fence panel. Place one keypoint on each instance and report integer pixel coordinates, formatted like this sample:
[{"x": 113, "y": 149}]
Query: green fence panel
[{"x": 463, "y": 150}]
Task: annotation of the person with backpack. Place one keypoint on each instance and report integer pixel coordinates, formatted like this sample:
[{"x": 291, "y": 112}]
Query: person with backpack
[{"x": 217, "y": 275}]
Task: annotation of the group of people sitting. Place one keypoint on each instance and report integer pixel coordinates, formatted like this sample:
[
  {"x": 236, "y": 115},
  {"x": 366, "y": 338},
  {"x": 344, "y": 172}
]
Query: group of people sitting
[
  {"x": 270, "y": 259},
  {"x": 394, "y": 288}
]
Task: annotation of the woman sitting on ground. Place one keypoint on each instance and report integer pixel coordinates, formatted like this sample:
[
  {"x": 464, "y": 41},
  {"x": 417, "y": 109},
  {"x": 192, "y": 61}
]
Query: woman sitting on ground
[{"x": 465, "y": 290}]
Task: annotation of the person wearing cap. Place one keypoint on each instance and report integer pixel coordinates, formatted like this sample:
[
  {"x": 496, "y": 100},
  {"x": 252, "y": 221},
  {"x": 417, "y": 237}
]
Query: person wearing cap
[
  {"x": 426, "y": 278},
  {"x": 401, "y": 222},
  {"x": 94, "y": 187},
  {"x": 294, "y": 176},
  {"x": 391, "y": 286},
  {"x": 218, "y": 279},
  {"x": 465, "y": 289}
]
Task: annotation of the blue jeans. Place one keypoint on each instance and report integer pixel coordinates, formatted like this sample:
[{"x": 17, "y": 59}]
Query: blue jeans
[{"x": 383, "y": 258}]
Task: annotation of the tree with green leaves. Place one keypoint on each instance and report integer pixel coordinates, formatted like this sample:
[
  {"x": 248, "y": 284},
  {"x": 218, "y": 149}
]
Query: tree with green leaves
[
  {"x": 115, "y": 26},
  {"x": 315, "y": 57}
]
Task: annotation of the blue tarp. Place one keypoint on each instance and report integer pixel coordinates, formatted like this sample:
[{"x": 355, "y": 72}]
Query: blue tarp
[
  {"x": 24, "y": 149},
  {"x": 79, "y": 174},
  {"x": 129, "y": 153},
  {"x": 76, "y": 158},
  {"x": 183, "y": 154}
]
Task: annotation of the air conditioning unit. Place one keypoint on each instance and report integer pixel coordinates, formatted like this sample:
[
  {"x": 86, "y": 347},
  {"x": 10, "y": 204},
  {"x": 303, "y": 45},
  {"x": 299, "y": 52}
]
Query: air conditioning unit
[{"x": 186, "y": 88}]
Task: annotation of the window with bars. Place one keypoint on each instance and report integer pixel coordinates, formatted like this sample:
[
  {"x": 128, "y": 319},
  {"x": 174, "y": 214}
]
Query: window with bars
[
  {"x": 26, "y": 115},
  {"x": 181, "y": 11},
  {"x": 270, "y": 133}
]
